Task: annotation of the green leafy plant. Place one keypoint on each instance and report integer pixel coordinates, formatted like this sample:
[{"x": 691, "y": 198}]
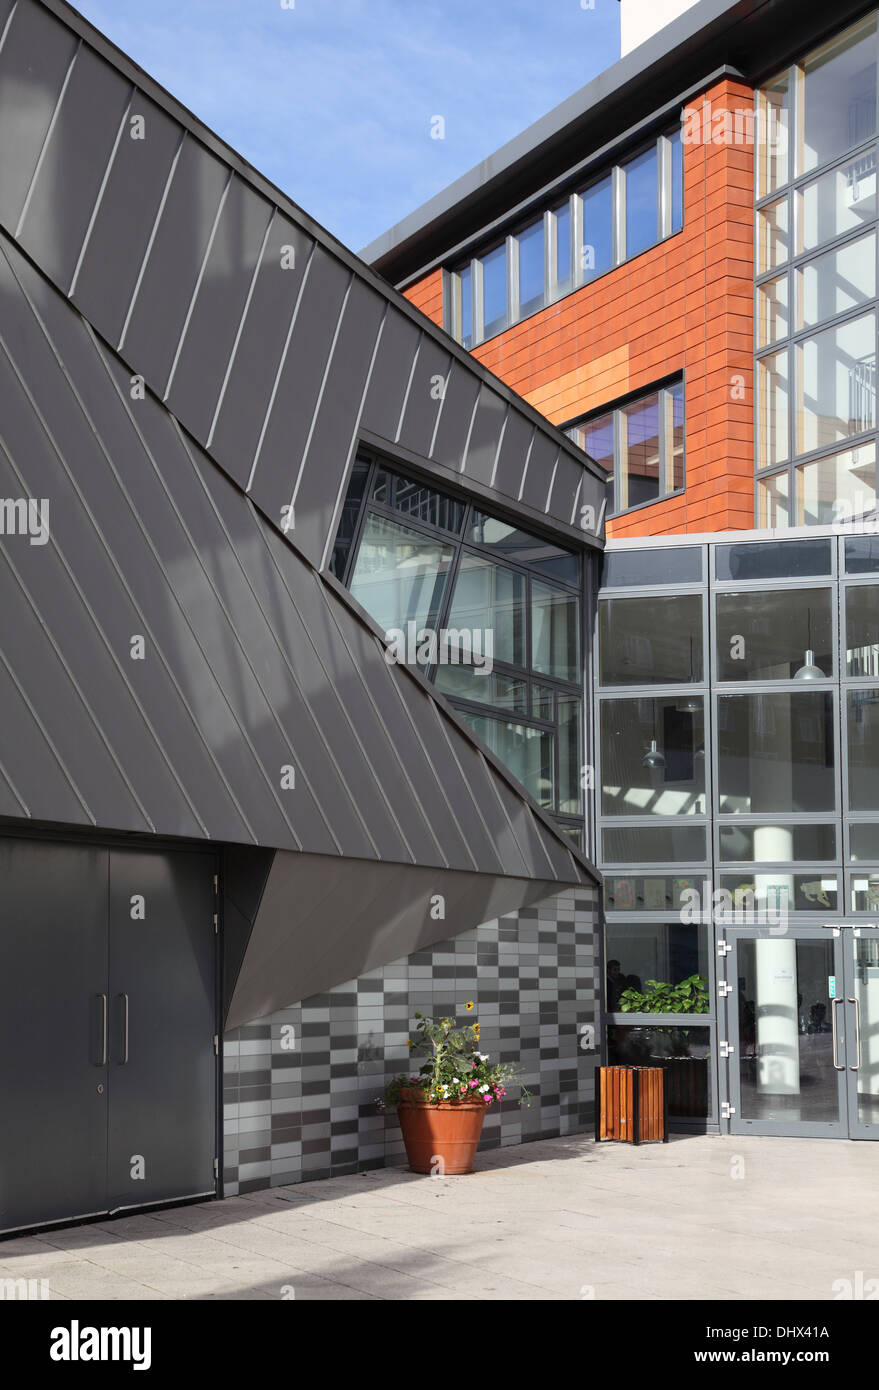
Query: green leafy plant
[
  {"x": 688, "y": 997},
  {"x": 455, "y": 1072}
]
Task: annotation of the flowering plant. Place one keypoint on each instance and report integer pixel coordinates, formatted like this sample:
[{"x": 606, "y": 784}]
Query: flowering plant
[{"x": 455, "y": 1071}]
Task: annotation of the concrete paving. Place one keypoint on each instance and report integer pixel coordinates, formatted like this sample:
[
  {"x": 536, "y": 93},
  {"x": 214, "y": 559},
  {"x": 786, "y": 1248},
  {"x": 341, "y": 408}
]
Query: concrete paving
[{"x": 701, "y": 1217}]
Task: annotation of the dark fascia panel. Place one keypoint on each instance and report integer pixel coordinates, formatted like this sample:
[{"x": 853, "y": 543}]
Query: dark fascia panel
[
  {"x": 751, "y": 37},
  {"x": 320, "y": 923},
  {"x": 167, "y": 653},
  {"x": 261, "y": 333}
]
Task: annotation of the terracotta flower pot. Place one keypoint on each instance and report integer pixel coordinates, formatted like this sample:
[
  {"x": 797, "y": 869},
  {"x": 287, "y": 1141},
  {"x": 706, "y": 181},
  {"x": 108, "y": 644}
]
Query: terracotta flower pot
[{"x": 440, "y": 1134}]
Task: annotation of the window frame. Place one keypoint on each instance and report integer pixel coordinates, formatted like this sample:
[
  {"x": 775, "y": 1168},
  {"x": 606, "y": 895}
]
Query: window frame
[{"x": 663, "y": 390}]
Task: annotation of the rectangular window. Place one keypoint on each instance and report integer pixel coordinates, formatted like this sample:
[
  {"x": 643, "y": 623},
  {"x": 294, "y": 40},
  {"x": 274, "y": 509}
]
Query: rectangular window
[
  {"x": 862, "y": 631},
  {"x": 837, "y": 93},
  {"x": 766, "y": 635},
  {"x": 773, "y": 136},
  {"x": 622, "y": 214},
  {"x": 835, "y": 282},
  {"x": 400, "y": 574},
  {"x": 653, "y": 757},
  {"x": 775, "y": 753},
  {"x": 769, "y": 844},
  {"x": 836, "y": 384},
  {"x": 844, "y": 200},
  {"x": 531, "y": 269},
  {"x": 838, "y": 488},
  {"x": 494, "y": 292},
  {"x": 773, "y": 235},
  {"x": 555, "y": 637},
  {"x": 773, "y": 404},
  {"x": 656, "y": 640},
  {"x": 773, "y": 502},
  {"x": 663, "y": 954},
  {"x": 863, "y": 749},
  {"x": 642, "y": 202},
  {"x": 490, "y": 599},
  {"x": 641, "y": 445},
  {"x": 773, "y": 321},
  {"x": 527, "y": 752}
]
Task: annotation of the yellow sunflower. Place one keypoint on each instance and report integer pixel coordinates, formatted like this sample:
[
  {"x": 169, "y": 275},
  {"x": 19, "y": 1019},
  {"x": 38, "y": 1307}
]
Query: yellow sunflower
[{"x": 469, "y": 1005}]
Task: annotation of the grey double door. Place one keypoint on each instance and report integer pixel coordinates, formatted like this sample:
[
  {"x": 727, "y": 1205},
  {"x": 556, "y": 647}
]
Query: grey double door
[
  {"x": 803, "y": 1025},
  {"x": 107, "y": 1023}
]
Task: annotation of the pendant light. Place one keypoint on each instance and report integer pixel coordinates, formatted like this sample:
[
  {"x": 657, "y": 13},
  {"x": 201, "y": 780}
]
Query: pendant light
[
  {"x": 691, "y": 704},
  {"x": 654, "y": 757},
  {"x": 809, "y": 671}
]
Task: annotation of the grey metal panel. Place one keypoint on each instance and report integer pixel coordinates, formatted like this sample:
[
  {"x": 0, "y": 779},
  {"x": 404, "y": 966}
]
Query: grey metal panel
[
  {"x": 429, "y": 378},
  {"x": 485, "y": 436},
  {"x": 242, "y": 412},
  {"x": 308, "y": 353},
  {"x": 173, "y": 263},
  {"x": 325, "y": 465},
  {"x": 34, "y": 61},
  {"x": 513, "y": 454},
  {"x": 72, "y": 166},
  {"x": 320, "y": 923},
  {"x": 390, "y": 376},
  {"x": 538, "y": 472},
  {"x": 455, "y": 419},
  {"x": 117, "y": 243},
  {"x": 216, "y": 316}
]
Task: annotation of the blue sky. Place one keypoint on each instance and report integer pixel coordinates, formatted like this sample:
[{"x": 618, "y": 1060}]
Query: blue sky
[{"x": 333, "y": 99}]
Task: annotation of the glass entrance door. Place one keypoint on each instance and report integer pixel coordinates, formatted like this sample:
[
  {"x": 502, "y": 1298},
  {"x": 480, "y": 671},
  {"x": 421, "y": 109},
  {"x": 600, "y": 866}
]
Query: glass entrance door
[
  {"x": 787, "y": 1031},
  {"x": 803, "y": 1029},
  {"x": 862, "y": 1007}
]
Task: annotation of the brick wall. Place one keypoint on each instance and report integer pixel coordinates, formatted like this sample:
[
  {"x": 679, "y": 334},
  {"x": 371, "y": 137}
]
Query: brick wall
[{"x": 685, "y": 305}]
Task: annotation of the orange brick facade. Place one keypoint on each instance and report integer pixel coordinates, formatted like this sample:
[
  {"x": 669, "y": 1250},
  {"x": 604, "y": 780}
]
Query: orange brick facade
[{"x": 686, "y": 306}]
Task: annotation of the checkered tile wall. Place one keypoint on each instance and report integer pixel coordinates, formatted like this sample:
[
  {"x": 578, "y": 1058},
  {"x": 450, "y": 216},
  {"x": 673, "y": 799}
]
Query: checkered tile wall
[{"x": 300, "y": 1088}]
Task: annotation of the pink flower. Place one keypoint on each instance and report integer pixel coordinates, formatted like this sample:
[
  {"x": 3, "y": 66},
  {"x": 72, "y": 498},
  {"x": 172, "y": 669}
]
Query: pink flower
[
  {"x": 487, "y": 1099},
  {"x": 474, "y": 1083},
  {"x": 463, "y": 1090}
]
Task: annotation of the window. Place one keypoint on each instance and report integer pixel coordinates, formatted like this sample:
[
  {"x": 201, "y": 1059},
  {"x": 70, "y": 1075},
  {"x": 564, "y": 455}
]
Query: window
[
  {"x": 775, "y": 753},
  {"x": 816, "y": 291},
  {"x": 497, "y": 611},
  {"x": 765, "y": 635},
  {"x": 641, "y": 445},
  {"x": 653, "y": 756},
  {"x": 654, "y": 640},
  {"x": 596, "y": 227}
]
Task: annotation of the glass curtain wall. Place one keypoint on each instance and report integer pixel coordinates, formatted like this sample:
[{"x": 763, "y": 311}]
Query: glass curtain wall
[
  {"x": 489, "y": 612},
  {"x": 816, "y": 293}
]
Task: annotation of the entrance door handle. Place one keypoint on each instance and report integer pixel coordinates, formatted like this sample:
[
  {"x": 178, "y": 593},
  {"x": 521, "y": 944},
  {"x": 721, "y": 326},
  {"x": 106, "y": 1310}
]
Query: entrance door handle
[
  {"x": 124, "y": 998},
  {"x": 104, "y": 1023},
  {"x": 833, "y": 1004},
  {"x": 856, "y": 1066}
]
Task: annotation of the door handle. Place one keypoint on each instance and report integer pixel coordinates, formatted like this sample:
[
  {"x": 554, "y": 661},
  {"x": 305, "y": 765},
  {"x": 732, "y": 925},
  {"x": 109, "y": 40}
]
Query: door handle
[
  {"x": 124, "y": 998},
  {"x": 856, "y": 1066},
  {"x": 833, "y": 1004},
  {"x": 103, "y": 999}
]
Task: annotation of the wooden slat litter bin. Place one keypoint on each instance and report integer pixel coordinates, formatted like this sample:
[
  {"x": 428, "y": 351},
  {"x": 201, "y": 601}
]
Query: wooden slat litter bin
[{"x": 631, "y": 1105}]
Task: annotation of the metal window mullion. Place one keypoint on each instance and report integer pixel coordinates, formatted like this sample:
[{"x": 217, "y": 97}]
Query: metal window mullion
[
  {"x": 663, "y": 401},
  {"x": 550, "y": 257},
  {"x": 621, "y": 460},
  {"x": 619, "y": 214},
  {"x": 576, "y": 205},
  {"x": 512, "y": 245},
  {"x": 664, "y": 164},
  {"x": 477, "y": 300}
]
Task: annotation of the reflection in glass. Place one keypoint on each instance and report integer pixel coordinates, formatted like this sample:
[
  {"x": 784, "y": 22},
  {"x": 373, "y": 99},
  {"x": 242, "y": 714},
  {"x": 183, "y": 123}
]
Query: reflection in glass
[
  {"x": 862, "y": 555},
  {"x": 867, "y": 996},
  {"x": 494, "y": 292},
  {"x": 865, "y": 892},
  {"x": 570, "y": 718},
  {"x": 561, "y": 222},
  {"x": 467, "y": 683},
  {"x": 685, "y": 1053},
  {"x": 650, "y": 641},
  {"x": 350, "y": 517},
  {"x": 639, "y": 464},
  {"x": 555, "y": 626},
  {"x": 768, "y": 560},
  {"x": 531, "y": 269},
  {"x": 764, "y": 636},
  {"x": 664, "y": 952},
  {"x": 864, "y": 842},
  {"x": 400, "y": 575},
  {"x": 785, "y": 1042},
  {"x": 837, "y": 281},
  {"x": 596, "y": 438},
  {"x": 862, "y": 630},
  {"x": 527, "y": 752},
  {"x": 511, "y": 542},
  {"x": 773, "y": 235},
  {"x": 757, "y": 896},
  {"x": 773, "y": 402},
  {"x": 838, "y": 202},
  {"x": 465, "y": 322},
  {"x": 773, "y": 502},
  {"x": 674, "y": 404},
  {"x": 596, "y": 252},
  {"x": 838, "y": 96},
  {"x": 673, "y": 787},
  {"x": 677, "y": 180},
  {"x": 836, "y": 384},
  {"x": 835, "y": 489},
  {"x": 775, "y": 753},
  {"x": 863, "y": 749},
  {"x": 490, "y": 599},
  {"x": 642, "y": 202},
  {"x": 654, "y": 844},
  {"x": 773, "y": 136},
  {"x": 772, "y": 311},
  {"x": 765, "y": 844},
  {"x": 417, "y": 501}
]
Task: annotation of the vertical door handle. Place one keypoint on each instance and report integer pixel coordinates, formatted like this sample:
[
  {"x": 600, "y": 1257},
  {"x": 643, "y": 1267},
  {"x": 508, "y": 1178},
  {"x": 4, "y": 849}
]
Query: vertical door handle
[
  {"x": 833, "y": 1004},
  {"x": 124, "y": 998},
  {"x": 104, "y": 1022},
  {"x": 856, "y": 1066}
]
